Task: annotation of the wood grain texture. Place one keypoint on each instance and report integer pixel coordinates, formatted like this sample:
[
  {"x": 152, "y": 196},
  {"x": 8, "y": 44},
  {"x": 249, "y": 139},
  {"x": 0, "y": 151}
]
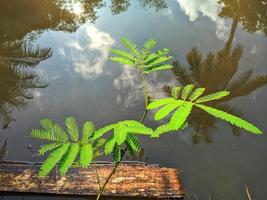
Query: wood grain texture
[{"x": 130, "y": 180}]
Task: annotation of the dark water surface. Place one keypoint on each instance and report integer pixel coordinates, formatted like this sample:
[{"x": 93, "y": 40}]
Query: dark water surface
[{"x": 62, "y": 47}]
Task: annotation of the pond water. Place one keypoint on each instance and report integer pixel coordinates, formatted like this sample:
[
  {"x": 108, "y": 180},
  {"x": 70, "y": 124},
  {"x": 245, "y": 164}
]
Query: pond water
[{"x": 66, "y": 44}]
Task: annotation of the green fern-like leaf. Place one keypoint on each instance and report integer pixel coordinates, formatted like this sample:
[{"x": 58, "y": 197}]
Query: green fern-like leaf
[
  {"x": 184, "y": 107},
  {"x": 88, "y": 129},
  {"x": 196, "y": 93},
  {"x": 133, "y": 142},
  {"x": 123, "y": 60},
  {"x": 154, "y": 56},
  {"x": 230, "y": 118},
  {"x": 47, "y": 123},
  {"x": 180, "y": 116},
  {"x": 123, "y": 54},
  {"x": 65, "y": 149},
  {"x": 213, "y": 96},
  {"x": 100, "y": 132},
  {"x": 86, "y": 155},
  {"x": 137, "y": 127},
  {"x": 133, "y": 123},
  {"x": 59, "y": 133},
  {"x": 120, "y": 134},
  {"x": 109, "y": 145},
  {"x": 116, "y": 153},
  {"x": 130, "y": 45},
  {"x": 158, "y": 103},
  {"x": 99, "y": 143},
  {"x": 139, "y": 130},
  {"x": 158, "y": 61},
  {"x": 43, "y": 135},
  {"x": 68, "y": 158},
  {"x": 164, "y": 128},
  {"x": 48, "y": 147},
  {"x": 165, "y": 110},
  {"x": 150, "y": 44},
  {"x": 187, "y": 91},
  {"x": 142, "y": 59},
  {"x": 157, "y": 68},
  {"x": 53, "y": 159},
  {"x": 73, "y": 129}
]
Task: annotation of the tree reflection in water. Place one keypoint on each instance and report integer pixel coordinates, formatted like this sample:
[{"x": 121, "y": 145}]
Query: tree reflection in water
[
  {"x": 21, "y": 23},
  {"x": 217, "y": 71}
]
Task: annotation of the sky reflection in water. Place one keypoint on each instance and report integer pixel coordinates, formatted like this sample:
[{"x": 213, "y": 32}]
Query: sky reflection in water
[{"x": 69, "y": 49}]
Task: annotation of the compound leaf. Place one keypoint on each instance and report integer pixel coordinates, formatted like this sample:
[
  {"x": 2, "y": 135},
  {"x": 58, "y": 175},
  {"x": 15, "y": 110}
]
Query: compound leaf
[
  {"x": 234, "y": 120},
  {"x": 53, "y": 159}
]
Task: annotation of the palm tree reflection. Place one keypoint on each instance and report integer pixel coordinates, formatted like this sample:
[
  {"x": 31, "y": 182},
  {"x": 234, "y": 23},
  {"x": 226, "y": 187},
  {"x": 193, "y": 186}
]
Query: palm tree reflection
[
  {"x": 17, "y": 77},
  {"x": 216, "y": 72}
]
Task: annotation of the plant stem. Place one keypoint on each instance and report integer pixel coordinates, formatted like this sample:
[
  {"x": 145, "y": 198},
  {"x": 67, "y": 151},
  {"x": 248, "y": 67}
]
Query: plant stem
[
  {"x": 145, "y": 90},
  {"x": 109, "y": 177}
]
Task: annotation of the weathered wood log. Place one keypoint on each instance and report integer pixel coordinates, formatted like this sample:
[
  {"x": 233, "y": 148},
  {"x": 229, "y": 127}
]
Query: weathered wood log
[{"x": 130, "y": 180}]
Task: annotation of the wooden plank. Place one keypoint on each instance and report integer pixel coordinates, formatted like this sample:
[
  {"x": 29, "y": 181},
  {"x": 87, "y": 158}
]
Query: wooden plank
[{"x": 130, "y": 180}]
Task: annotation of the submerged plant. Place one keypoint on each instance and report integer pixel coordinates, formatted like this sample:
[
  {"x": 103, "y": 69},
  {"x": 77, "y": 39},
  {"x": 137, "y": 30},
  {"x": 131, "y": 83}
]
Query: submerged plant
[{"x": 182, "y": 102}]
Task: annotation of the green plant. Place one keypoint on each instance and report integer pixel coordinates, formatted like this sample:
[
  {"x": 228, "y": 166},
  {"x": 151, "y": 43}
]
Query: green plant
[
  {"x": 142, "y": 59},
  {"x": 66, "y": 147},
  {"x": 182, "y": 102},
  {"x": 123, "y": 131}
]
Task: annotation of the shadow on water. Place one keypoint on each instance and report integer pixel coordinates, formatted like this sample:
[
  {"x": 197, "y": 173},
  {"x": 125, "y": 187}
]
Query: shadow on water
[{"x": 216, "y": 72}]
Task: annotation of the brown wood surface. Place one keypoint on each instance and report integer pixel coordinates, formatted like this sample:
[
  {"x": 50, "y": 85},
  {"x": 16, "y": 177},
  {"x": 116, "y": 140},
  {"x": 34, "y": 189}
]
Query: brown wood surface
[{"x": 130, "y": 180}]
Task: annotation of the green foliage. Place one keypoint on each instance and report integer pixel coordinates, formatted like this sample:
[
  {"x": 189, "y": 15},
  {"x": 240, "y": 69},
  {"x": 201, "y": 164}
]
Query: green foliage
[
  {"x": 214, "y": 96},
  {"x": 72, "y": 128},
  {"x": 187, "y": 91},
  {"x": 53, "y": 159},
  {"x": 132, "y": 143},
  {"x": 86, "y": 155},
  {"x": 236, "y": 121},
  {"x": 65, "y": 151},
  {"x": 183, "y": 107},
  {"x": 116, "y": 153},
  {"x": 142, "y": 59},
  {"x": 70, "y": 148},
  {"x": 123, "y": 132}
]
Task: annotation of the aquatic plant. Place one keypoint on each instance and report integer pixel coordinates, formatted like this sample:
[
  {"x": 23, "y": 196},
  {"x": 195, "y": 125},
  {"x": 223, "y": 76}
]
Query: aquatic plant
[{"x": 65, "y": 147}]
